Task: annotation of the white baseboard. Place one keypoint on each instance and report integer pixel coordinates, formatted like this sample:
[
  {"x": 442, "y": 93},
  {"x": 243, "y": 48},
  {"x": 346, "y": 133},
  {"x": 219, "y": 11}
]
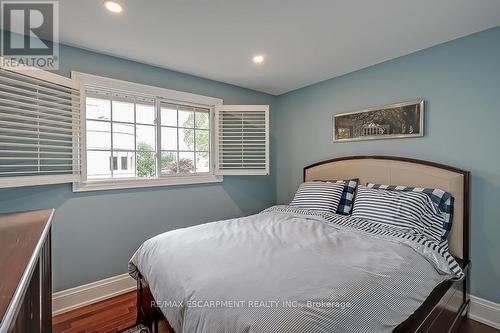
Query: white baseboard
[
  {"x": 74, "y": 298},
  {"x": 484, "y": 311}
]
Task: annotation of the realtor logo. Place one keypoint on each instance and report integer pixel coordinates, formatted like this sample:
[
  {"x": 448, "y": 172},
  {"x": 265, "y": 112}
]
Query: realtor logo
[{"x": 30, "y": 34}]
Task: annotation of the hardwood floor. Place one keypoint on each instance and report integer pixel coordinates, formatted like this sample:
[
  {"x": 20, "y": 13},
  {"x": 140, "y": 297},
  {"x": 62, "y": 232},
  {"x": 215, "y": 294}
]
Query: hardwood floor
[
  {"x": 112, "y": 315},
  {"x": 119, "y": 313}
]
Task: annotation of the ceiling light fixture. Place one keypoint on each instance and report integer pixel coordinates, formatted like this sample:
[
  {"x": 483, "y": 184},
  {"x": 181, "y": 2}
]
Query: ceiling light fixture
[
  {"x": 258, "y": 59},
  {"x": 113, "y": 6}
]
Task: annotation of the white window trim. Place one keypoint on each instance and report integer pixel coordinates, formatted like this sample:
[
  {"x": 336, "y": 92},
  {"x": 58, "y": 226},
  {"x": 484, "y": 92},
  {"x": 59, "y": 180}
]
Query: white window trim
[{"x": 88, "y": 80}]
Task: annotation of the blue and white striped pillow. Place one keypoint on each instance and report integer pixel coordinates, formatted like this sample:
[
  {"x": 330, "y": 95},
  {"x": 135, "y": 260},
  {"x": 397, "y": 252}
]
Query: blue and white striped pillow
[
  {"x": 345, "y": 205},
  {"x": 413, "y": 211},
  {"x": 318, "y": 195},
  {"x": 444, "y": 201}
]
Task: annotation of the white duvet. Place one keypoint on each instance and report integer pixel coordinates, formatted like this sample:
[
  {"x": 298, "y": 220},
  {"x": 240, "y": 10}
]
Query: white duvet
[{"x": 290, "y": 270}]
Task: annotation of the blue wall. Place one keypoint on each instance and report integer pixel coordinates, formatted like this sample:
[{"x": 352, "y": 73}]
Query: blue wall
[
  {"x": 460, "y": 82},
  {"x": 95, "y": 233}
]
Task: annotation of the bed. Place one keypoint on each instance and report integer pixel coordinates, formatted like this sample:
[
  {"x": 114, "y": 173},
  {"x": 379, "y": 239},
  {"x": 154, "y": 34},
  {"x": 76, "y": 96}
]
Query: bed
[{"x": 303, "y": 257}]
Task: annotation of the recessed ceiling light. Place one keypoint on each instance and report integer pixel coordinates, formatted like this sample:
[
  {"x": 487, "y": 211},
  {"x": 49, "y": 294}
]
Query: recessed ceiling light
[
  {"x": 258, "y": 59},
  {"x": 113, "y": 6}
]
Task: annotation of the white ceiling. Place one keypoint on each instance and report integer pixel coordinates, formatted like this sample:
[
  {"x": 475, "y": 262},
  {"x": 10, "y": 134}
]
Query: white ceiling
[{"x": 304, "y": 41}]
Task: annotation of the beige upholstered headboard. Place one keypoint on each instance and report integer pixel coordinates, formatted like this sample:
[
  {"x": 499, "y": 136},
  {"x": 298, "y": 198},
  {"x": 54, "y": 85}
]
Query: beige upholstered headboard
[{"x": 410, "y": 172}]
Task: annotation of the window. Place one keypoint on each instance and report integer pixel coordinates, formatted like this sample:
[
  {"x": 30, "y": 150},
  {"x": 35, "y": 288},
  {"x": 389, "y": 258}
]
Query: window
[
  {"x": 39, "y": 128},
  {"x": 185, "y": 139},
  {"x": 101, "y": 133},
  {"x": 119, "y": 127},
  {"x": 124, "y": 163},
  {"x": 137, "y": 135}
]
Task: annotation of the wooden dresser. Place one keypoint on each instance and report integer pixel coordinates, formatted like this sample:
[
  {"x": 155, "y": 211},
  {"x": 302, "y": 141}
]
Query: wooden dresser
[{"x": 25, "y": 272}]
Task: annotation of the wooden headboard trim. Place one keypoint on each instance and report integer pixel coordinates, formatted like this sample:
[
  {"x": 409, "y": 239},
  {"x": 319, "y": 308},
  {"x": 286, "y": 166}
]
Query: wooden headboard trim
[{"x": 466, "y": 189}]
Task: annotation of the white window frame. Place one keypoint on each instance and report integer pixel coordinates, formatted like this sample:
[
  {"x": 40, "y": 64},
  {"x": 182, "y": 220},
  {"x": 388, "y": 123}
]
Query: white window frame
[{"x": 93, "y": 81}]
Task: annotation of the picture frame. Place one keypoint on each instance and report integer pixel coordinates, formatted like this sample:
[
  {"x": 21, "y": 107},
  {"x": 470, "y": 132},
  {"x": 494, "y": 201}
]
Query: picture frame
[{"x": 393, "y": 121}]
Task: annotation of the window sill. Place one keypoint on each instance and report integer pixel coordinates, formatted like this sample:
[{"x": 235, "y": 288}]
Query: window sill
[{"x": 139, "y": 183}]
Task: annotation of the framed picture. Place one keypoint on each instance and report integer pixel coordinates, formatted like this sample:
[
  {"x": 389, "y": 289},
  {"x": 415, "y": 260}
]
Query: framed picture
[{"x": 400, "y": 120}]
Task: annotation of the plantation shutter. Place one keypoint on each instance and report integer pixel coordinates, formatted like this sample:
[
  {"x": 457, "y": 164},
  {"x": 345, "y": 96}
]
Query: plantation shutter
[
  {"x": 39, "y": 128},
  {"x": 242, "y": 139}
]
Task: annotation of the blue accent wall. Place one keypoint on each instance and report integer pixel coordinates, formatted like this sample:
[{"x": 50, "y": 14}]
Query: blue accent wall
[
  {"x": 96, "y": 233},
  {"x": 460, "y": 82}
]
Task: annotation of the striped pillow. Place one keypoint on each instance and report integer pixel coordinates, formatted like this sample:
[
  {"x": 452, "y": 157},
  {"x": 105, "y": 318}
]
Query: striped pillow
[
  {"x": 318, "y": 195},
  {"x": 345, "y": 205},
  {"x": 444, "y": 201},
  {"x": 413, "y": 211}
]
